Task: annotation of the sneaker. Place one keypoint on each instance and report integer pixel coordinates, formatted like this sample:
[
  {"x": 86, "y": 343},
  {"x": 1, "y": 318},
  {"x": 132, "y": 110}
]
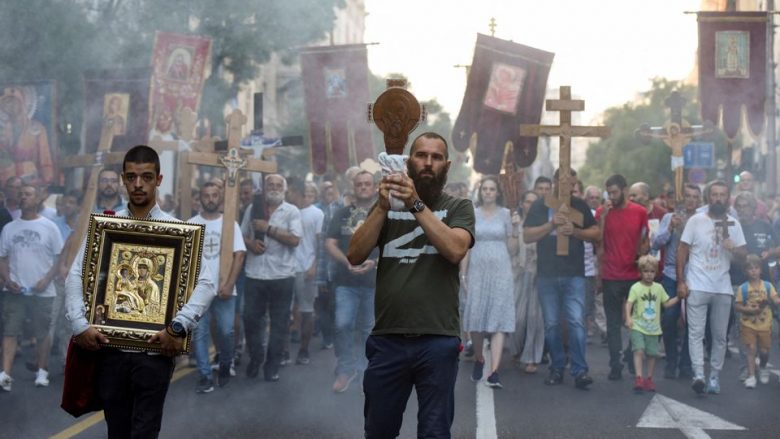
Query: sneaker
[
  {"x": 468, "y": 351},
  {"x": 743, "y": 375},
  {"x": 303, "y": 358},
  {"x": 763, "y": 376},
  {"x": 493, "y": 381},
  {"x": 750, "y": 382},
  {"x": 554, "y": 378},
  {"x": 582, "y": 381},
  {"x": 615, "y": 374},
  {"x": 639, "y": 384},
  {"x": 272, "y": 377},
  {"x": 698, "y": 385},
  {"x": 205, "y": 385},
  {"x": 713, "y": 387},
  {"x": 5, "y": 381},
  {"x": 41, "y": 378},
  {"x": 649, "y": 385},
  {"x": 327, "y": 345},
  {"x": 342, "y": 382},
  {"x": 476, "y": 373},
  {"x": 285, "y": 361}
]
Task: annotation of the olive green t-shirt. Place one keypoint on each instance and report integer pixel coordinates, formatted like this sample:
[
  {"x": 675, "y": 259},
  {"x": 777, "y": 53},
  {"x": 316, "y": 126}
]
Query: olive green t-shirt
[{"x": 417, "y": 288}]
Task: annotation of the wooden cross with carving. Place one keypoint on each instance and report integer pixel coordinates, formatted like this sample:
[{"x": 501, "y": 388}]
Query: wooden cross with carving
[
  {"x": 95, "y": 163},
  {"x": 565, "y": 131},
  {"x": 232, "y": 162},
  {"x": 723, "y": 225}
]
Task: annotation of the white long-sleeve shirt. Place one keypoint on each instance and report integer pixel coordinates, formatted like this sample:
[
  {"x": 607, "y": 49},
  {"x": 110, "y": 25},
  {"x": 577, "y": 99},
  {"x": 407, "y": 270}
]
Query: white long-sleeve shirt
[{"x": 190, "y": 314}]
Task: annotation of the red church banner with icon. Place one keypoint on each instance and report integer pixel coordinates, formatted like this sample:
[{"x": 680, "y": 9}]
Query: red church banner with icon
[
  {"x": 506, "y": 87},
  {"x": 181, "y": 64},
  {"x": 335, "y": 85},
  {"x": 732, "y": 69}
]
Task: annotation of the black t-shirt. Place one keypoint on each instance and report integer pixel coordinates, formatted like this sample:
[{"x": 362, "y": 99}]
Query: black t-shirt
[
  {"x": 548, "y": 263},
  {"x": 759, "y": 238},
  {"x": 417, "y": 288},
  {"x": 341, "y": 228}
]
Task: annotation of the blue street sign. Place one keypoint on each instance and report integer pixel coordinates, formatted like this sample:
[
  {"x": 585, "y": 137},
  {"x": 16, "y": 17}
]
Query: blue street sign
[{"x": 699, "y": 155}]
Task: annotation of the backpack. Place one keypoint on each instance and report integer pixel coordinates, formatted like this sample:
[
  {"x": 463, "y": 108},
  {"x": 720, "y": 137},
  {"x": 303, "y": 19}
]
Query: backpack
[{"x": 767, "y": 288}]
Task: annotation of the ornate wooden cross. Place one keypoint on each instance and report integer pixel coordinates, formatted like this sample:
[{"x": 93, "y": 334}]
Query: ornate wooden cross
[
  {"x": 232, "y": 162},
  {"x": 396, "y": 112},
  {"x": 565, "y": 131},
  {"x": 95, "y": 163},
  {"x": 676, "y": 133}
]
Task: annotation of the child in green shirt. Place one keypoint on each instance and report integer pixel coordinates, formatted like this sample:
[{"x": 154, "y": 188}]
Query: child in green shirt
[{"x": 643, "y": 318}]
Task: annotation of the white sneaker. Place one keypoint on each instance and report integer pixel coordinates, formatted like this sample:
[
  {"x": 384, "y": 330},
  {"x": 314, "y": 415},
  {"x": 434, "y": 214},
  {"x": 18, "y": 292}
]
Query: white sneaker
[
  {"x": 42, "y": 378},
  {"x": 763, "y": 376},
  {"x": 750, "y": 382},
  {"x": 743, "y": 374},
  {"x": 5, "y": 381}
]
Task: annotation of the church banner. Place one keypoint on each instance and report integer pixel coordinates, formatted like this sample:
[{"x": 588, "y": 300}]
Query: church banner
[
  {"x": 506, "y": 87},
  {"x": 120, "y": 94},
  {"x": 335, "y": 84},
  {"x": 732, "y": 69},
  {"x": 181, "y": 64},
  {"x": 28, "y": 132}
]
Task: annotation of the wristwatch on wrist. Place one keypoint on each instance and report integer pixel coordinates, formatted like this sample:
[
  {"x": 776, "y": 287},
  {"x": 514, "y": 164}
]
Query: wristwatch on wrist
[
  {"x": 177, "y": 329},
  {"x": 417, "y": 206}
]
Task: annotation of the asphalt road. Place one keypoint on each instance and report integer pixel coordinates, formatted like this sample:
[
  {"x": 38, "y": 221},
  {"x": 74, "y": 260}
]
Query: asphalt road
[{"x": 302, "y": 405}]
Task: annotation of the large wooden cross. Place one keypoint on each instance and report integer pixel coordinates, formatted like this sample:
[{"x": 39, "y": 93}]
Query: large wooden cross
[
  {"x": 95, "y": 163},
  {"x": 676, "y": 133},
  {"x": 565, "y": 131},
  {"x": 233, "y": 162}
]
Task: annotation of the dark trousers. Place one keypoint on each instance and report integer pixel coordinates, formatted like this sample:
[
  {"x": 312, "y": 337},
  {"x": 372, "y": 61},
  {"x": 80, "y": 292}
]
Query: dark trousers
[
  {"x": 396, "y": 364},
  {"x": 671, "y": 332},
  {"x": 325, "y": 311},
  {"x": 274, "y": 297},
  {"x": 132, "y": 387},
  {"x": 615, "y": 294}
]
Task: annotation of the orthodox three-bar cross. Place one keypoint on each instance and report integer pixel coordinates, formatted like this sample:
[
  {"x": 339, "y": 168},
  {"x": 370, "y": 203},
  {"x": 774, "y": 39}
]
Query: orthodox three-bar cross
[
  {"x": 565, "y": 131},
  {"x": 233, "y": 162}
]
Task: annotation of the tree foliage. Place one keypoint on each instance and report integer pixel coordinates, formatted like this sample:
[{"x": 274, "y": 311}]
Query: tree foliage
[{"x": 622, "y": 153}]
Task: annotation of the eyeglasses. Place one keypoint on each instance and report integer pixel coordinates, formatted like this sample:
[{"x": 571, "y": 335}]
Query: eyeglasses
[{"x": 147, "y": 177}]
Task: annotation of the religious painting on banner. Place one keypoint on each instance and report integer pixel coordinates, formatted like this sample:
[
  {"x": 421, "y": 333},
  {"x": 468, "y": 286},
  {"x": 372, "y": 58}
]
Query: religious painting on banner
[
  {"x": 121, "y": 95},
  {"x": 180, "y": 64},
  {"x": 28, "y": 134},
  {"x": 506, "y": 88},
  {"x": 335, "y": 85},
  {"x": 732, "y": 69}
]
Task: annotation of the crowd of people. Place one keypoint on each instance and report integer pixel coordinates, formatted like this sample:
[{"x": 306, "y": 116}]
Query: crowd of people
[{"x": 632, "y": 260}]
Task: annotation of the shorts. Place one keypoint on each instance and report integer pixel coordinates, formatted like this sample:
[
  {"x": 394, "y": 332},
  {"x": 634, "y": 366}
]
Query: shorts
[
  {"x": 305, "y": 291},
  {"x": 645, "y": 343},
  {"x": 751, "y": 337},
  {"x": 17, "y": 307}
]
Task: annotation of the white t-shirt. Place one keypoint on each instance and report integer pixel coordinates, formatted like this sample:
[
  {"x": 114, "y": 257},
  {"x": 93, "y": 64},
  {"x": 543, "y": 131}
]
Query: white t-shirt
[
  {"x": 212, "y": 244},
  {"x": 709, "y": 262},
  {"x": 305, "y": 253},
  {"x": 31, "y": 247},
  {"x": 278, "y": 260}
]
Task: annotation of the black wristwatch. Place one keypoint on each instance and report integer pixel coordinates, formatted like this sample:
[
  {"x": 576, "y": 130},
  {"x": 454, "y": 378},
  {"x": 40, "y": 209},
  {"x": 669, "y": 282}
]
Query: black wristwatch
[
  {"x": 417, "y": 206},
  {"x": 177, "y": 329}
]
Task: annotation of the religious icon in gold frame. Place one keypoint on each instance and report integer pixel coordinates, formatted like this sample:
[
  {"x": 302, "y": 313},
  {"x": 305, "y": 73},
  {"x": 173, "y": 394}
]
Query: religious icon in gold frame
[{"x": 137, "y": 275}]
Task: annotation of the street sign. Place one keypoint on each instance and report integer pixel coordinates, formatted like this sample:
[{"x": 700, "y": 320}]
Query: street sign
[
  {"x": 699, "y": 155},
  {"x": 665, "y": 412}
]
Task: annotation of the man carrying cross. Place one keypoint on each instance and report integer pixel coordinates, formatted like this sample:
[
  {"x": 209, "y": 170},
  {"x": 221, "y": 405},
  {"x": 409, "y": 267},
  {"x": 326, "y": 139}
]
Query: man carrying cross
[
  {"x": 561, "y": 278},
  {"x": 709, "y": 242}
]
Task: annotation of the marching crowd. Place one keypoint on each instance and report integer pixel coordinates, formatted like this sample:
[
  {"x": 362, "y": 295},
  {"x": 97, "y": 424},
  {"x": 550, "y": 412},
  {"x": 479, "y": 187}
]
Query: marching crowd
[{"x": 682, "y": 281}]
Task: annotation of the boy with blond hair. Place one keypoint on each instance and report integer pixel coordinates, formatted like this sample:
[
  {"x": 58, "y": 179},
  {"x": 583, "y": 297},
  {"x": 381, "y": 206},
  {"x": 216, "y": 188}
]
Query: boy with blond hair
[
  {"x": 643, "y": 318},
  {"x": 755, "y": 322}
]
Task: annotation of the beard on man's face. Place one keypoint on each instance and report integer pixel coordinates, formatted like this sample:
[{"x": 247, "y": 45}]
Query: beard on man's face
[
  {"x": 274, "y": 197},
  {"x": 718, "y": 208},
  {"x": 428, "y": 184}
]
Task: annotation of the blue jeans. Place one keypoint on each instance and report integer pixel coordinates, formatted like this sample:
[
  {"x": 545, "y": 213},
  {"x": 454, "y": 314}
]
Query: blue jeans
[
  {"x": 224, "y": 310},
  {"x": 354, "y": 313},
  {"x": 669, "y": 319},
  {"x": 396, "y": 364},
  {"x": 565, "y": 294}
]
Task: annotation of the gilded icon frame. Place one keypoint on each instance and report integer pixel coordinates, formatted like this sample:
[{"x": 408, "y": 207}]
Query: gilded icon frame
[{"x": 138, "y": 273}]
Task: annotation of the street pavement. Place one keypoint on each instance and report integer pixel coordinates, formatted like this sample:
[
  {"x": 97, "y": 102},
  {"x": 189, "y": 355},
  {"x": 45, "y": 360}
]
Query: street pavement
[{"x": 302, "y": 405}]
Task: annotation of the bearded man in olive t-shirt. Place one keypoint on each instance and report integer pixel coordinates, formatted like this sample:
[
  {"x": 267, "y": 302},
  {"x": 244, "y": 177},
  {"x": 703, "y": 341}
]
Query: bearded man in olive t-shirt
[{"x": 415, "y": 341}]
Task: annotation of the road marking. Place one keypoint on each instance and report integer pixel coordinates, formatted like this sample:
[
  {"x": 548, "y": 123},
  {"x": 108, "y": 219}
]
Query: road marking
[
  {"x": 486, "y": 409},
  {"x": 97, "y": 417},
  {"x": 664, "y": 412}
]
